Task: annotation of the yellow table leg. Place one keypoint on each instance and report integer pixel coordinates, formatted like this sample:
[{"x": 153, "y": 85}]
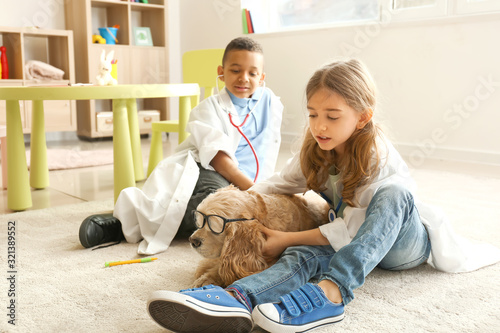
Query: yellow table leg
[
  {"x": 155, "y": 150},
  {"x": 135, "y": 138},
  {"x": 18, "y": 193},
  {"x": 39, "y": 170},
  {"x": 184, "y": 109},
  {"x": 123, "y": 167}
]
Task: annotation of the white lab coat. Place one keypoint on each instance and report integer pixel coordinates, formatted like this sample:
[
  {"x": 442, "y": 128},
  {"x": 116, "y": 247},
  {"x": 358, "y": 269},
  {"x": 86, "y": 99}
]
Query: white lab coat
[
  {"x": 154, "y": 213},
  {"x": 450, "y": 252}
]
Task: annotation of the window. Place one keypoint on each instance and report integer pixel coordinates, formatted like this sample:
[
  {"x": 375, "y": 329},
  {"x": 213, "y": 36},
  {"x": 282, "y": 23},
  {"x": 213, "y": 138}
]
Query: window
[
  {"x": 282, "y": 15},
  {"x": 416, "y": 9},
  {"x": 403, "y": 4},
  {"x": 288, "y": 15},
  {"x": 296, "y": 13},
  {"x": 476, "y": 6}
]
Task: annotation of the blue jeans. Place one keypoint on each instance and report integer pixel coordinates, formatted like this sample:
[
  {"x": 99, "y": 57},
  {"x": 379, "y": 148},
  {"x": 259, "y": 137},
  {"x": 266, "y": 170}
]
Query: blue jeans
[{"x": 392, "y": 238}]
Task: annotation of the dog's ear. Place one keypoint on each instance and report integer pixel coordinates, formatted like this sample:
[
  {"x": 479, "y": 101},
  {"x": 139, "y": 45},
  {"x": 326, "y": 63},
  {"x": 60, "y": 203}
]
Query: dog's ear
[
  {"x": 258, "y": 207},
  {"x": 242, "y": 252}
]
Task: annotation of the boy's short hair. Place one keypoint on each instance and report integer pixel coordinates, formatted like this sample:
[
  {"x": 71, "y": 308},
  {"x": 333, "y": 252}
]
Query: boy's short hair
[{"x": 242, "y": 43}]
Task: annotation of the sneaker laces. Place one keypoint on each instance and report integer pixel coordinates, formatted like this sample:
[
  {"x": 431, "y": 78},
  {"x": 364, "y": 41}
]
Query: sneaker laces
[
  {"x": 209, "y": 286},
  {"x": 112, "y": 232},
  {"x": 112, "y": 227},
  {"x": 304, "y": 299}
]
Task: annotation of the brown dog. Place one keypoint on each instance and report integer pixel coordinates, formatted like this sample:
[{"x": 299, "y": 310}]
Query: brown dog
[{"x": 237, "y": 252}]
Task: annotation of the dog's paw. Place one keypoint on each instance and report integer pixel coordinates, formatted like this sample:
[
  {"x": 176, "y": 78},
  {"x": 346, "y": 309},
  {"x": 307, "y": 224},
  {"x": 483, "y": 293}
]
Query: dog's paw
[
  {"x": 207, "y": 279},
  {"x": 202, "y": 281}
]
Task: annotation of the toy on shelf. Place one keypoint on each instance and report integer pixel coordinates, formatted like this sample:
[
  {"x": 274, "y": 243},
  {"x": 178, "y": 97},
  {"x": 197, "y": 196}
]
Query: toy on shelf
[
  {"x": 104, "y": 78},
  {"x": 98, "y": 39},
  {"x": 109, "y": 34},
  {"x": 114, "y": 69},
  {"x": 3, "y": 61}
]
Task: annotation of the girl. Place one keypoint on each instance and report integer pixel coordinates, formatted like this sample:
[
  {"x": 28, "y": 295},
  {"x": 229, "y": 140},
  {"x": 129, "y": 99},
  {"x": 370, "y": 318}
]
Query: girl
[{"x": 374, "y": 222}]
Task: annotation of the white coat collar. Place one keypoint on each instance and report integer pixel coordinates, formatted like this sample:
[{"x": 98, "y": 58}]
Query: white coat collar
[{"x": 225, "y": 102}]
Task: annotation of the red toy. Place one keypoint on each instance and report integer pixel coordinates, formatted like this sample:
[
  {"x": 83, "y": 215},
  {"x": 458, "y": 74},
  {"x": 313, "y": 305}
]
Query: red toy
[{"x": 3, "y": 60}]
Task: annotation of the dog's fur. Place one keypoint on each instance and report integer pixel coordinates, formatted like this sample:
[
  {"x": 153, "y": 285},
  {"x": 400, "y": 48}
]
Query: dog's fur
[{"x": 237, "y": 252}]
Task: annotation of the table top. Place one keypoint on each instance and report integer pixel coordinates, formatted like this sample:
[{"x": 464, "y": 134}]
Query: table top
[{"x": 121, "y": 91}]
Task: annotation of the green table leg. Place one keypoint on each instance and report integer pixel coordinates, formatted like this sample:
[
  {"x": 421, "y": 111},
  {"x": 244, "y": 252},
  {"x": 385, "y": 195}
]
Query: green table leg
[
  {"x": 184, "y": 109},
  {"x": 18, "y": 192},
  {"x": 123, "y": 168},
  {"x": 39, "y": 170},
  {"x": 155, "y": 150},
  {"x": 135, "y": 138}
]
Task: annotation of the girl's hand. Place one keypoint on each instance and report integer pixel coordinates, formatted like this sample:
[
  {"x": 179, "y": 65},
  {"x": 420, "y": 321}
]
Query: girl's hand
[{"x": 276, "y": 243}]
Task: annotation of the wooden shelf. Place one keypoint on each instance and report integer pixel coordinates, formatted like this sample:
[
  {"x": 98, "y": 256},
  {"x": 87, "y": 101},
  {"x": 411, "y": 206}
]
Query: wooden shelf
[
  {"x": 136, "y": 64},
  {"x": 54, "y": 47}
]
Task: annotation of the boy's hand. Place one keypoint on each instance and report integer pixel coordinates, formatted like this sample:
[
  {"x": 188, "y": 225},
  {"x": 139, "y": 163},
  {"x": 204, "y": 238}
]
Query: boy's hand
[{"x": 224, "y": 165}]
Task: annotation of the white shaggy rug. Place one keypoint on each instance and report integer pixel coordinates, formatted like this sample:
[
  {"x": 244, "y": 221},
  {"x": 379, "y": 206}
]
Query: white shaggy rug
[{"x": 62, "y": 287}]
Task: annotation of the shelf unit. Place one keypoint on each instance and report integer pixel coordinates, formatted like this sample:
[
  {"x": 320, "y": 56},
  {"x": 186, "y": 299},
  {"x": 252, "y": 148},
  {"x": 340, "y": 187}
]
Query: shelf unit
[
  {"x": 136, "y": 64},
  {"x": 54, "y": 47}
]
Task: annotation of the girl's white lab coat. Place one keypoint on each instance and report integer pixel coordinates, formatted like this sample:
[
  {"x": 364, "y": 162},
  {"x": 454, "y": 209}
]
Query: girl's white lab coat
[
  {"x": 154, "y": 213},
  {"x": 450, "y": 252}
]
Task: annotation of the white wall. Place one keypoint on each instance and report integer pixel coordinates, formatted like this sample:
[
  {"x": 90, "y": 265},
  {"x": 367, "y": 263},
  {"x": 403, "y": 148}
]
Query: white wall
[
  {"x": 46, "y": 14},
  {"x": 431, "y": 75}
]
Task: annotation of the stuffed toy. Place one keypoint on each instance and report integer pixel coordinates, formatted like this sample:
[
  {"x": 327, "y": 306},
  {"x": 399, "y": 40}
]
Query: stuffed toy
[{"x": 104, "y": 77}]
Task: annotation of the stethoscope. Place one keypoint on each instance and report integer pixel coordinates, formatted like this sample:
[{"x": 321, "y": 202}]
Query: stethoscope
[
  {"x": 332, "y": 213},
  {"x": 239, "y": 127}
]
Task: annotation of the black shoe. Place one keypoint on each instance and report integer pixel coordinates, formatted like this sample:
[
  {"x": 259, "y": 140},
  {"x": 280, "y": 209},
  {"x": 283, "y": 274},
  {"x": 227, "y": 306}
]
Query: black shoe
[{"x": 99, "y": 229}]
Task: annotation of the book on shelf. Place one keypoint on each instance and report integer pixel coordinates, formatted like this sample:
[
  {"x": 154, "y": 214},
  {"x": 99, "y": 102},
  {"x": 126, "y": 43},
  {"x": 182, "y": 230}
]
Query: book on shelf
[
  {"x": 244, "y": 21},
  {"x": 247, "y": 22}
]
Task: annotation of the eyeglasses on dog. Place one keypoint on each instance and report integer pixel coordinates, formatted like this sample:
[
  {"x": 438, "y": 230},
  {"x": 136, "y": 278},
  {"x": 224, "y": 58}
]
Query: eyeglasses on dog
[{"x": 216, "y": 223}]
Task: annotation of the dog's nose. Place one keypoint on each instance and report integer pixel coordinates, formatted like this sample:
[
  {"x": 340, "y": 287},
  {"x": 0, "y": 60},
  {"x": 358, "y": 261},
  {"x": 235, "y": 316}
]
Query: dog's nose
[{"x": 195, "y": 242}]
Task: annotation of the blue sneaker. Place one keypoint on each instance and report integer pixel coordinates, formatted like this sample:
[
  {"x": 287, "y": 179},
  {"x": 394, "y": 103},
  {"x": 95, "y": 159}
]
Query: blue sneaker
[
  {"x": 301, "y": 310},
  {"x": 206, "y": 309}
]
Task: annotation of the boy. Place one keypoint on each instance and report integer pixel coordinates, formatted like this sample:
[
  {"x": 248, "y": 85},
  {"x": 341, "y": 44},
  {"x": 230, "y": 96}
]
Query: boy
[{"x": 213, "y": 156}]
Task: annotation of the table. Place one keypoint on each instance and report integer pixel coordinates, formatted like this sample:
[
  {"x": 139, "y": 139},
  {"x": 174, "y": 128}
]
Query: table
[{"x": 127, "y": 153}]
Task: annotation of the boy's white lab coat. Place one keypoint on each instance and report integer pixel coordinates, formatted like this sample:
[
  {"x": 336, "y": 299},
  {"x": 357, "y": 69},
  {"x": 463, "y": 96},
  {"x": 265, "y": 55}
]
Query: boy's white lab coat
[
  {"x": 154, "y": 213},
  {"x": 450, "y": 252}
]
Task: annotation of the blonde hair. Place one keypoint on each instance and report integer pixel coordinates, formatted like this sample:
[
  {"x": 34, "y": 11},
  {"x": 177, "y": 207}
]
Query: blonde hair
[{"x": 351, "y": 80}]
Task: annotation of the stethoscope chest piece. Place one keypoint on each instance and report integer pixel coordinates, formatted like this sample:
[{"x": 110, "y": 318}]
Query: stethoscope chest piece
[{"x": 331, "y": 215}]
